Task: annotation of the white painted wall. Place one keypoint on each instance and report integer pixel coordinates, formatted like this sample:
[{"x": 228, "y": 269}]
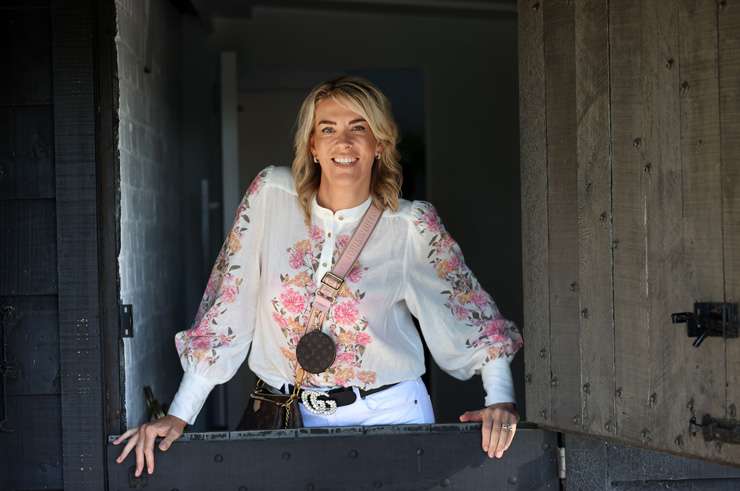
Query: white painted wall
[{"x": 150, "y": 259}]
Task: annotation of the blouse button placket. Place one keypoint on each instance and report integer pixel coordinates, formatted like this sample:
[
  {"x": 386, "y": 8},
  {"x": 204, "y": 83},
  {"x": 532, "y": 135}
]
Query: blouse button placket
[{"x": 328, "y": 249}]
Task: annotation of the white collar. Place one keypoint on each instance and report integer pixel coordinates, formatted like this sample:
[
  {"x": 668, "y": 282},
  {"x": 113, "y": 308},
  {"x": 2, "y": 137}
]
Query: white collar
[{"x": 346, "y": 215}]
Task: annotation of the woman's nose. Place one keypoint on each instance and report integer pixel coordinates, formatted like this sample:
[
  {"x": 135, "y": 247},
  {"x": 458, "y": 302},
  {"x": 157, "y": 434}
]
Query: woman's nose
[{"x": 344, "y": 138}]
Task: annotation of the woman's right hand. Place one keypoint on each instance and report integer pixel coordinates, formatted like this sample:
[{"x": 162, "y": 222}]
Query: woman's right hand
[{"x": 143, "y": 437}]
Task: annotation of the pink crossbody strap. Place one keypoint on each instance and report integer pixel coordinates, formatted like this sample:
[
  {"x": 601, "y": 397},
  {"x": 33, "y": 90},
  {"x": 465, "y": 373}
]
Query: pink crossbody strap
[
  {"x": 357, "y": 242},
  {"x": 332, "y": 281}
]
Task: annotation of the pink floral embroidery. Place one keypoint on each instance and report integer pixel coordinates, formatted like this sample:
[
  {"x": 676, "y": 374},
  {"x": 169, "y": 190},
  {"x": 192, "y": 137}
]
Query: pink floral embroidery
[
  {"x": 280, "y": 320},
  {"x": 341, "y": 243},
  {"x": 201, "y": 342},
  {"x": 345, "y": 322},
  {"x": 228, "y": 293},
  {"x": 480, "y": 298},
  {"x": 256, "y": 184},
  {"x": 355, "y": 275},
  {"x": 317, "y": 234},
  {"x": 366, "y": 377},
  {"x": 345, "y": 313},
  {"x": 429, "y": 220},
  {"x": 467, "y": 301},
  {"x": 363, "y": 339},
  {"x": 293, "y": 301},
  {"x": 300, "y": 254},
  {"x": 345, "y": 357}
]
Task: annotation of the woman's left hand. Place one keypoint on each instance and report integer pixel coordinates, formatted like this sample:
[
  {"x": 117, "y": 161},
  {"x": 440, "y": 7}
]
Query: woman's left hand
[{"x": 495, "y": 440}]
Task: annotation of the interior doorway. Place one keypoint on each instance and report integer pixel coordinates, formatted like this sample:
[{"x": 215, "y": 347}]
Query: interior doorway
[{"x": 452, "y": 78}]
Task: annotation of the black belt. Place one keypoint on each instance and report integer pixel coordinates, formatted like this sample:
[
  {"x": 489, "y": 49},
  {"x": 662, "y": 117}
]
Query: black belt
[{"x": 343, "y": 396}]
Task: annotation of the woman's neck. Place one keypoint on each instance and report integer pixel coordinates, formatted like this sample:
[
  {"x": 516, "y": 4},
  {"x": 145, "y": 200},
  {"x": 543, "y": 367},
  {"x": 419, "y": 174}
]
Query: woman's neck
[{"x": 340, "y": 199}]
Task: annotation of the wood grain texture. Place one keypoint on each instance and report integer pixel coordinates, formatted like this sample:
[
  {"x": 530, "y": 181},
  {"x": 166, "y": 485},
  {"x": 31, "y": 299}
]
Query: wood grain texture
[
  {"x": 32, "y": 337},
  {"x": 535, "y": 260},
  {"x": 27, "y": 249},
  {"x": 729, "y": 104},
  {"x": 631, "y": 322},
  {"x": 26, "y": 164},
  {"x": 77, "y": 245},
  {"x": 594, "y": 217},
  {"x": 110, "y": 213},
  {"x": 30, "y": 456},
  {"x": 657, "y": 146},
  {"x": 562, "y": 205},
  {"x": 697, "y": 374},
  {"x": 665, "y": 262}
]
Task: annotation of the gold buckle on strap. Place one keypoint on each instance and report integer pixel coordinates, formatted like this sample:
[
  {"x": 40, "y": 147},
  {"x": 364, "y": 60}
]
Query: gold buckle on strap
[{"x": 332, "y": 281}]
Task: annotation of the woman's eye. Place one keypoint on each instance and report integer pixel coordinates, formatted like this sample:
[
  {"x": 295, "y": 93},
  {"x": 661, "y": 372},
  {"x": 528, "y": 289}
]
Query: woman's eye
[
  {"x": 327, "y": 130},
  {"x": 359, "y": 128}
]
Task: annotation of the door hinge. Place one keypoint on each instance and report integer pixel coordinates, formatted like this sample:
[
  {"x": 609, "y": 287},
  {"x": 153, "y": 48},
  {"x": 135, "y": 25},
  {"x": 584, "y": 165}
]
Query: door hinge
[
  {"x": 127, "y": 321},
  {"x": 561, "y": 462}
]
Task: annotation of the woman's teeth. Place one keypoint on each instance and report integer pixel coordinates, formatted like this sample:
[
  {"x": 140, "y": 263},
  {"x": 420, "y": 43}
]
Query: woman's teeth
[{"x": 344, "y": 161}]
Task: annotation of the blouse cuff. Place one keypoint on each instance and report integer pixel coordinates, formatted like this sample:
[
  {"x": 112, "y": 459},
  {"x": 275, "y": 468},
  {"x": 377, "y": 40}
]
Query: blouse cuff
[
  {"x": 497, "y": 381},
  {"x": 190, "y": 397}
]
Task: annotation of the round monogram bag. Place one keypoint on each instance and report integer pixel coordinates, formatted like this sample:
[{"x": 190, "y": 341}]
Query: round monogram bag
[{"x": 316, "y": 351}]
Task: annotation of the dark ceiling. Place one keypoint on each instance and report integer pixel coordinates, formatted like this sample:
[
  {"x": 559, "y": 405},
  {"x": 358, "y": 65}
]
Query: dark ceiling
[{"x": 445, "y": 8}]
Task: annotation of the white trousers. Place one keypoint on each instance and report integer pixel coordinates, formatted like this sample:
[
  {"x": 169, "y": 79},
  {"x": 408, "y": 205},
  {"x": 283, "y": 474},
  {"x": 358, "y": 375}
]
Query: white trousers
[{"x": 405, "y": 403}]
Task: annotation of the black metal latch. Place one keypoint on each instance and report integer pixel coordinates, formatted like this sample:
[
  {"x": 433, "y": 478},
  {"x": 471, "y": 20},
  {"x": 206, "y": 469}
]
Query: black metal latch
[
  {"x": 722, "y": 430},
  {"x": 709, "y": 319},
  {"x": 127, "y": 320}
]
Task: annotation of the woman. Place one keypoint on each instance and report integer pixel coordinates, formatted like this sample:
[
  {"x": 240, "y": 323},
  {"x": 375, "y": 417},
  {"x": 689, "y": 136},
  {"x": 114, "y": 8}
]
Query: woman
[{"x": 288, "y": 232}]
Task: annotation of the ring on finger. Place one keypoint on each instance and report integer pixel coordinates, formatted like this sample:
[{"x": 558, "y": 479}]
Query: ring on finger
[{"x": 507, "y": 427}]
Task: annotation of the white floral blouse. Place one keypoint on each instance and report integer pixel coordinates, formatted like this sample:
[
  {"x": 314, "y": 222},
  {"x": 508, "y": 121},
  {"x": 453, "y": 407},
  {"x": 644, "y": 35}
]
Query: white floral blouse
[{"x": 264, "y": 278}]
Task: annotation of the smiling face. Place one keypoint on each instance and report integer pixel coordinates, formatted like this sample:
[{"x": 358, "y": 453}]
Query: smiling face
[{"x": 345, "y": 146}]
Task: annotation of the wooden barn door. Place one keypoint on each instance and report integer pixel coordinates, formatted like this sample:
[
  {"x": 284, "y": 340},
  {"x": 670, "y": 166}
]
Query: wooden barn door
[{"x": 630, "y": 147}]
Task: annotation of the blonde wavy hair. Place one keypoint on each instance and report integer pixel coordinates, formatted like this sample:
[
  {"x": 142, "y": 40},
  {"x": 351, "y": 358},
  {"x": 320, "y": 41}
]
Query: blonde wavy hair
[{"x": 361, "y": 96}]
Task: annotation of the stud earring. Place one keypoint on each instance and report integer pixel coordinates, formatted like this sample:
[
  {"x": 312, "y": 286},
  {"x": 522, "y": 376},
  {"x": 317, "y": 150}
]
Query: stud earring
[{"x": 315, "y": 160}]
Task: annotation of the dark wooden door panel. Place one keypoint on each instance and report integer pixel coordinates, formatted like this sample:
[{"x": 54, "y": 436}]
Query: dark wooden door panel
[
  {"x": 595, "y": 269},
  {"x": 31, "y": 454},
  {"x": 26, "y": 165},
  {"x": 28, "y": 247},
  {"x": 729, "y": 103},
  {"x": 629, "y": 183},
  {"x": 562, "y": 178},
  {"x": 32, "y": 344},
  {"x": 631, "y": 177},
  {"x": 25, "y": 54}
]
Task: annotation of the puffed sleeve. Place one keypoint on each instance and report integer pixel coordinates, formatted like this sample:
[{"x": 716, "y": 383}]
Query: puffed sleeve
[
  {"x": 212, "y": 350},
  {"x": 461, "y": 323}
]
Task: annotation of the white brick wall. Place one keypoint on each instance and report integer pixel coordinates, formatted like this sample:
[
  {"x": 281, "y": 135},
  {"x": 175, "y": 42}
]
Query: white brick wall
[{"x": 150, "y": 260}]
